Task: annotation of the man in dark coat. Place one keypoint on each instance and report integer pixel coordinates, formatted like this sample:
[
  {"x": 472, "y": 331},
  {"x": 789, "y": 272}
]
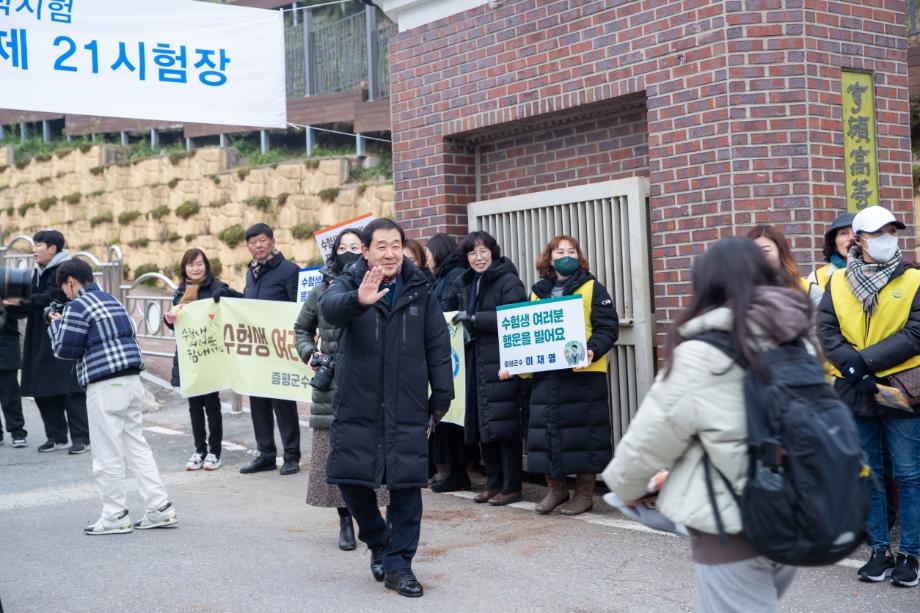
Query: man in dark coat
[
  {"x": 394, "y": 345},
  {"x": 10, "y": 397},
  {"x": 270, "y": 277},
  {"x": 50, "y": 381}
]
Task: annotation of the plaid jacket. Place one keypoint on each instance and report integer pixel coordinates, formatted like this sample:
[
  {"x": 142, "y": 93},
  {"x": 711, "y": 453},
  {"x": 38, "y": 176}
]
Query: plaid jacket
[{"x": 96, "y": 330}]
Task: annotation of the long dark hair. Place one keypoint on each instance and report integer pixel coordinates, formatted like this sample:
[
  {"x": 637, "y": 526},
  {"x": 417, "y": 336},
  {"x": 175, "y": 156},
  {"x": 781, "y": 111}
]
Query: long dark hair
[
  {"x": 190, "y": 256},
  {"x": 338, "y": 241},
  {"x": 441, "y": 246},
  {"x": 790, "y": 276},
  {"x": 726, "y": 275}
]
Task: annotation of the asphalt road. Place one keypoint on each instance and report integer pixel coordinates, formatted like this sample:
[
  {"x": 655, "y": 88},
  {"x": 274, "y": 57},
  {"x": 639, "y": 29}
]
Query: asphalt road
[{"x": 249, "y": 543}]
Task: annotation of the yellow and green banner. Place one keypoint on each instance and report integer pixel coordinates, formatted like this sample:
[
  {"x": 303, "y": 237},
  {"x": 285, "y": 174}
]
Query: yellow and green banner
[
  {"x": 242, "y": 345},
  {"x": 860, "y": 162},
  {"x": 457, "y": 411}
]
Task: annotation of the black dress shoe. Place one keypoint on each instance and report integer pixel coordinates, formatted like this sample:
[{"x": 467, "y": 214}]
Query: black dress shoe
[
  {"x": 260, "y": 464},
  {"x": 377, "y": 564},
  {"x": 453, "y": 483},
  {"x": 404, "y": 582},
  {"x": 346, "y": 534},
  {"x": 290, "y": 467}
]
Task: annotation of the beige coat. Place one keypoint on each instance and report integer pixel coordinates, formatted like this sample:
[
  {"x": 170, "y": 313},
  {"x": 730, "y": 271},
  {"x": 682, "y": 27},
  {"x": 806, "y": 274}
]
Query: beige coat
[{"x": 700, "y": 405}]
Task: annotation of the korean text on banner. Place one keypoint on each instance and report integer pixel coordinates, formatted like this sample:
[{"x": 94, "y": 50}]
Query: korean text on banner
[
  {"x": 171, "y": 60},
  {"x": 326, "y": 236},
  {"x": 243, "y": 345},
  {"x": 308, "y": 279},
  {"x": 457, "y": 412},
  {"x": 542, "y": 335}
]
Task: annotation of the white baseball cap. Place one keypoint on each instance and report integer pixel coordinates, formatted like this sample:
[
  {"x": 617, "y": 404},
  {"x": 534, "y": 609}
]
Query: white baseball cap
[{"x": 874, "y": 218}]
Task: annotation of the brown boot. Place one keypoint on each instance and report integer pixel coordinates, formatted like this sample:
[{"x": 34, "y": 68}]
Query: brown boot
[
  {"x": 583, "y": 500},
  {"x": 555, "y": 495}
]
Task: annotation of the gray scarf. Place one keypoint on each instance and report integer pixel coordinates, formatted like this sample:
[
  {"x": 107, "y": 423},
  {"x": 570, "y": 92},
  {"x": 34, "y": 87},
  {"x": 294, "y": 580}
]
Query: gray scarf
[{"x": 867, "y": 280}]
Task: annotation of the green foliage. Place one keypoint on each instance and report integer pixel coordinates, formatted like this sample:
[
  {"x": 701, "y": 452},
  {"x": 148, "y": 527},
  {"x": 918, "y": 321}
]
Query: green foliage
[
  {"x": 46, "y": 203},
  {"x": 303, "y": 230},
  {"x": 173, "y": 237},
  {"x": 127, "y": 217},
  {"x": 101, "y": 218},
  {"x": 361, "y": 189},
  {"x": 242, "y": 173},
  {"x": 73, "y": 198},
  {"x": 329, "y": 194},
  {"x": 216, "y": 204},
  {"x": 24, "y": 208},
  {"x": 384, "y": 170},
  {"x": 3, "y": 168},
  {"x": 144, "y": 269},
  {"x": 42, "y": 180},
  {"x": 283, "y": 198},
  {"x": 159, "y": 212},
  {"x": 217, "y": 266},
  {"x": 311, "y": 163},
  {"x": 177, "y": 156},
  {"x": 10, "y": 211},
  {"x": 190, "y": 237},
  {"x": 85, "y": 247},
  {"x": 232, "y": 236},
  {"x": 263, "y": 203},
  {"x": 173, "y": 183},
  {"x": 215, "y": 179},
  {"x": 97, "y": 170},
  {"x": 98, "y": 192},
  {"x": 187, "y": 209},
  {"x": 139, "y": 243}
]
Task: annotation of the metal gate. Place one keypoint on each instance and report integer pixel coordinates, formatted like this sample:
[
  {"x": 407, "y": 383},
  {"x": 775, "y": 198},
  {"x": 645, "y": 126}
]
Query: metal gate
[{"x": 610, "y": 221}]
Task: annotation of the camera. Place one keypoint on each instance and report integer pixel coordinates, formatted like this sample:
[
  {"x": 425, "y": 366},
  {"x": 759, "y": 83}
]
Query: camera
[
  {"x": 54, "y": 307},
  {"x": 325, "y": 365},
  {"x": 14, "y": 283}
]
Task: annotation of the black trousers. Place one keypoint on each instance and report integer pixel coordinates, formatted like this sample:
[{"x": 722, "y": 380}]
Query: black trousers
[
  {"x": 400, "y": 541},
  {"x": 198, "y": 406},
  {"x": 504, "y": 465},
  {"x": 264, "y": 411},
  {"x": 11, "y": 401},
  {"x": 61, "y": 413}
]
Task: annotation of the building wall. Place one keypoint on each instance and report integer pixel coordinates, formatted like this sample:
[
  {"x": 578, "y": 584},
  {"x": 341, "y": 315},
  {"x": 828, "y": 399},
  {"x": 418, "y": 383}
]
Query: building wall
[{"x": 743, "y": 110}]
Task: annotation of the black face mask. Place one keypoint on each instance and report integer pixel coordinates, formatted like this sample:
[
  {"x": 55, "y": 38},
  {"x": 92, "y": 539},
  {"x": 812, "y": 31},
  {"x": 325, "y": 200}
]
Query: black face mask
[{"x": 344, "y": 259}]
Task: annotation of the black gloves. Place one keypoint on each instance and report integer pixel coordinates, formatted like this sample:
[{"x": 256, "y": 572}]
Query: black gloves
[
  {"x": 857, "y": 375},
  {"x": 218, "y": 293}
]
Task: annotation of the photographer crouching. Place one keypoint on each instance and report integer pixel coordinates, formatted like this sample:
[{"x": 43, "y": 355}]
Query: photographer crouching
[
  {"x": 394, "y": 383},
  {"x": 94, "y": 329}
]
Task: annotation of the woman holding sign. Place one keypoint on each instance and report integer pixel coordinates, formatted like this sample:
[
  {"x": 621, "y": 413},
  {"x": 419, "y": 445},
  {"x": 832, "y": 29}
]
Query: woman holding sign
[
  {"x": 198, "y": 283},
  {"x": 345, "y": 250},
  {"x": 569, "y": 431},
  {"x": 494, "y": 408}
]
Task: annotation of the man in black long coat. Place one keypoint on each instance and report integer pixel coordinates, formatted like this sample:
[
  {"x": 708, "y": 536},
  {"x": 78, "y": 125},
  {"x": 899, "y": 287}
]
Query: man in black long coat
[
  {"x": 50, "y": 381},
  {"x": 270, "y": 276},
  {"x": 394, "y": 345},
  {"x": 10, "y": 397}
]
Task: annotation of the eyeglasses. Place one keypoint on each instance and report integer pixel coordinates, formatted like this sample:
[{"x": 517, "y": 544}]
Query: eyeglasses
[{"x": 478, "y": 253}]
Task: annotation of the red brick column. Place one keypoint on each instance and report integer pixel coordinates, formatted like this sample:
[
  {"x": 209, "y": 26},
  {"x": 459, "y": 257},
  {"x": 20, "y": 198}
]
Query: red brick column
[{"x": 743, "y": 113}]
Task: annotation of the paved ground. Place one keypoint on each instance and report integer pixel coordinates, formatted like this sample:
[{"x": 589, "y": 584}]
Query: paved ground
[{"x": 248, "y": 543}]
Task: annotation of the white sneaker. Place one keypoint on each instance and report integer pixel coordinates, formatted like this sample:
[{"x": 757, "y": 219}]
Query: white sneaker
[
  {"x": 212, "y": 462},
  {"x": 195, "y": 462},
  {"x": 163, "y": 517},
  {"x": 119, "y": 525}
]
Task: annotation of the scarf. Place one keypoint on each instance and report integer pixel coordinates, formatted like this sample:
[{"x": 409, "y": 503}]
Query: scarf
[
  {"x": 867, "y": 280},
  {"x": 257, "y": 266},
  {"x": 839, "y": 261},
  {"x": 191, "y": 291},
  {"x": 784, "y": 314}
]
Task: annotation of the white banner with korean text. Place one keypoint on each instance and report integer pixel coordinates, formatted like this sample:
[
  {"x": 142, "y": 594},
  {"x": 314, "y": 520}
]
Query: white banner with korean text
[
  {"x": 326, "y": 236},
  {"x": 542, "y": 335},
  {"x": 308, "y": 279},
  {"x": 171, "y": 60}
]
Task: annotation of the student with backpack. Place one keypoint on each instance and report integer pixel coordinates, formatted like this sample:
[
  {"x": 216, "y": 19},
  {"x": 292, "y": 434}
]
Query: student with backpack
[
  {"x": 698, "y": 422},
  {"x": 869, "y": 328}
]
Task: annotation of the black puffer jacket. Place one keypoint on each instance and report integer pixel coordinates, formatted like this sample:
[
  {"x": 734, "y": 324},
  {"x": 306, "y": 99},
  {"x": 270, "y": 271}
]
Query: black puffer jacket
[
  {"x": 569, "y": 430},
  {"x": 309, "y": 321},
  {"x": 448, "y": 273},
  {"x": 277, "y": 282},
  {"x": 888, "y": 353},
  {"x": 495, "y": 409},
  {"x": 386, "y": 360},
  {"x": 205, "y": 290},
  {"x": 43, "y": 374}
]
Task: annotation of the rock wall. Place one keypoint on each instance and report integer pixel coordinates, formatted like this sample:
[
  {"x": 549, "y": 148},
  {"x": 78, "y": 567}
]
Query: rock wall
[{"x": 156, "y": 208}]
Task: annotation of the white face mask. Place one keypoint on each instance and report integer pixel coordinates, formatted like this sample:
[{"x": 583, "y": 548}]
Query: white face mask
[{"x": 882, "y": 248}]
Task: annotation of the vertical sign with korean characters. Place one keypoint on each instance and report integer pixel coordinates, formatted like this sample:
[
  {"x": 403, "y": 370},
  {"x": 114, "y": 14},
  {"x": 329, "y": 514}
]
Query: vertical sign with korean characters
[
  {"x": 171, "y": 60},
  {"x": 542, "y": 335},
  {"x": 243, "y": 345},
  {"x": 860, "y": 162},
  {"x": 308, "y": 279}
]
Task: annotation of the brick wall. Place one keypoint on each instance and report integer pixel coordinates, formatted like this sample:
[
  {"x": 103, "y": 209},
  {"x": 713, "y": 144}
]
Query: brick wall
[{"x": 743, "y": 102}]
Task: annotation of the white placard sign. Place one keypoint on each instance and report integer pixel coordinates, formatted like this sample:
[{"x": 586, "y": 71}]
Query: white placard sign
[
  {"x": 542, "y": 335},
  {"x": 309, "y": 278},
  {"x": 170, "y": 60},
  {"x": 326, "y": 236}
]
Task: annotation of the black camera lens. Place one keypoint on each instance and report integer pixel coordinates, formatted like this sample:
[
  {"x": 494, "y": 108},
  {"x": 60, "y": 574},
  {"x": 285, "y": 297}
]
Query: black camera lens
[{"x": 15, "y": 283}]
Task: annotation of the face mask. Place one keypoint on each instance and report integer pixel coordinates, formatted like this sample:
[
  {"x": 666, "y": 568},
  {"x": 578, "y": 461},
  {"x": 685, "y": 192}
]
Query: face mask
[
  {"x": 882, "y": 248},
  {"x": 566, "y": 266},
  {"x": 344, "y": 259}
]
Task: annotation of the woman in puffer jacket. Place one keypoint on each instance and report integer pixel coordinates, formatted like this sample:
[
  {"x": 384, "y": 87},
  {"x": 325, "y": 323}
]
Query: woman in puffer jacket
[{"x": 696, "y": 406}]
